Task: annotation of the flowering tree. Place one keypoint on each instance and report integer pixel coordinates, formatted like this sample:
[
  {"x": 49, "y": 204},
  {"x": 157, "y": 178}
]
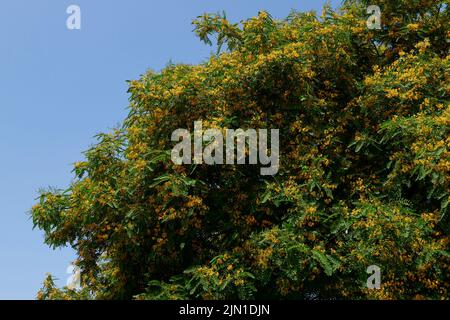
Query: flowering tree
[{"x": 363, "y": 179}]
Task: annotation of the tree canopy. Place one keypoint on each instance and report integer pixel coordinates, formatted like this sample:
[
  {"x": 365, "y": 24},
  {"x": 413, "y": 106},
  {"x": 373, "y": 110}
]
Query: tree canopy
[{"x": 363, "y": 180}]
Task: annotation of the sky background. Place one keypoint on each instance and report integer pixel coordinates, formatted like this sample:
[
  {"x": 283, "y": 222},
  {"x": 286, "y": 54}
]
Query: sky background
[{"x": 60, "y": 87}]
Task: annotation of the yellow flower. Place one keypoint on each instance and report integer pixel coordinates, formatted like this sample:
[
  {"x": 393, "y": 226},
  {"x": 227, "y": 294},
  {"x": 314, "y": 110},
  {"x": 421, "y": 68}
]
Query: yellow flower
[
  {"x": 413, "y": 26},
  {"x": 392, "y": 93}
]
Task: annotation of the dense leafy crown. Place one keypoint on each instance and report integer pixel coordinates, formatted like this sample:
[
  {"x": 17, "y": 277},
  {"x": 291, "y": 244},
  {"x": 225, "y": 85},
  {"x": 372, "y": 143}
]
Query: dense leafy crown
[{"x": 364, "y": 175}]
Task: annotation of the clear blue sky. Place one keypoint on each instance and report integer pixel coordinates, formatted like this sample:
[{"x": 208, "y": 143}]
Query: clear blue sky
[{"x": 58, "y": 88}]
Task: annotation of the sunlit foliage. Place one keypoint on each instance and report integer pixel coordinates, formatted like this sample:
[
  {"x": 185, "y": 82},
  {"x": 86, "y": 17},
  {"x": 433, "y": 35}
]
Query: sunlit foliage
[{"x": 364, "y": 175}]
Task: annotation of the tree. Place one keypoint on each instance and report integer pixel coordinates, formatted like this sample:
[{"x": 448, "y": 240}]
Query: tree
[{"x": 364, "y": 167}]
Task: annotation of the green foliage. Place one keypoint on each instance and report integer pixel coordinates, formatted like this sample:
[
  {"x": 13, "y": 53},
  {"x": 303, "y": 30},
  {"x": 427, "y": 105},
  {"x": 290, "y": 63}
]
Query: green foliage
[{"x": 364, "y": 175}]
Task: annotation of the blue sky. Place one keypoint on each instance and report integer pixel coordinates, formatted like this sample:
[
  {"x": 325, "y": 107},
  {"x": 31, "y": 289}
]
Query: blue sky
[{"x": 60, "y": 87}]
